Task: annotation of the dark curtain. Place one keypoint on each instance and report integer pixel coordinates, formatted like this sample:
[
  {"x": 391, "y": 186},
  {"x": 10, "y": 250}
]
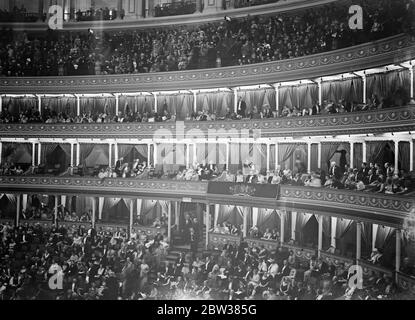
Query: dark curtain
[
  {"x": 139, "y": 103},
  {"x": 16, "y": 105},
  {"x": 18, "y": 153},
  {"x": 403, "y": 157},
  {"x": 328, "y": 149},
  {"x": 85, "y": 151},
  {"x": 351, "y": 90},
  {"x": 376, "y": 151},
  {"x": 307, "y": 95},
  {"x": 65, "y": 105},
  {"x": 97, "y": 105}
]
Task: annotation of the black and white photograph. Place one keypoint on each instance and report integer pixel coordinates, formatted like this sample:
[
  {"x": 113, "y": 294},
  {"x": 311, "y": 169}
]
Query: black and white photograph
[{"x": 224, "y": 152}]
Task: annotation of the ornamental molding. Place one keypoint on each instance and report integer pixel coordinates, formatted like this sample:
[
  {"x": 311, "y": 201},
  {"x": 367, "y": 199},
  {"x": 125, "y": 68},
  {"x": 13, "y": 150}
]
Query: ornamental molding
[
  {"x": 391, "y": 50},
  {"x": 377, "y": 121},
  {"x": 359, "y": 206}
]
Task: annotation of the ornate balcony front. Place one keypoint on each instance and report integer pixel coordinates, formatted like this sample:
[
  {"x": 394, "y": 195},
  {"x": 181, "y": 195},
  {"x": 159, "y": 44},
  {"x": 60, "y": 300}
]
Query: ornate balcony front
[
  {"x": 376, "y": 121},
  {"x": 392, "y": 50},
  {"x": 381, "y": 209}
]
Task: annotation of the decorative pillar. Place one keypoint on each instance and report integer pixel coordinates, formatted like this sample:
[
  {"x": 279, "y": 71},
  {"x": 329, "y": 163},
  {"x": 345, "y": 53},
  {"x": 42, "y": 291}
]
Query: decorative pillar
[
  {"x": 364, "y": 156},
  {"x": 235, "y": 100},
  {"x": 187, "y": 155},
  {"x": 33, "y": 154},
  {"x": 207, "y": 222},
  {"x": 396, "y": 145},
  {"x": 115, "y": 152},
  {"x": 268, "y": 151},
  {"x": 93, "y": 218},
  {"x": 155, "y": 101},
  {"x": 411, "y": 90},
  {"x": 276, "y": 155},
  {"x": 293, "y": 224},
  {"x": 39, "y": 101},
  {"x": 282, "y": 226},
  {"x": 131, "y": 216},
  {"x": 194, "y": 99},
  {"x": 63, "y": 200},
  {"x": 1, "y": 103},
  {"x": 117, "y": 100},
  {"x": 227, "y": 155},
  {"x": 17, "y": 210},
  {"x": 216, "y": 216},
  {"x": 39, "y": 150},
  {"x": 110, "y": 154},
  {"x": 72, "y": 151},
  {"x": 411, "y": 155},
  {"x": 320, "y": 234},
  {"x": 194, "y": 153},
  {"x": 56, "y": 211},
  {"x": 351, "y": 154},
  {"x": 245, "y": 222},
  {"x": 78, "y": 154},
  {"x": 320, "y": 92},
  {"x": 24, "y": 202},
  {"x": 78, "y": 105},
  {"x": 148, "y": 154},
  {"x": 358, "y": 240},
  {"x": 308, "y": 157},
  {"x": 319, "y": 155},
  {"x": 333, "y": 232},
  {"x": 177, "y": 214},
  {"x": 398, "y": 250},
  {"x": 364, "y": 86},
  {"x": 1, "y": 152},
  {"x": 375, "y": 228},
  {"x": 155, "y": 154},
  {"x": 169, "y": 221},
  {"x": 100, "y": 207},
  {"x": 277, "y": 98}
]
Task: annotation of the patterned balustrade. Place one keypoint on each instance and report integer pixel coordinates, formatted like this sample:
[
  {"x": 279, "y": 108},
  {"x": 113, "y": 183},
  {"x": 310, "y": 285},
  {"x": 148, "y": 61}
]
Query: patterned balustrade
[
  {"x": 376, "y": 121},
  {"x": 392, "y": 50},
  {"x": 388, "y": 210}
]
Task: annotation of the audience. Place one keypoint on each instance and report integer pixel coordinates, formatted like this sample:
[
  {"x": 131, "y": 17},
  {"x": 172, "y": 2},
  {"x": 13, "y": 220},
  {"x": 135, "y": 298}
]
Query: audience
[
  {"x": 106, "y": 265},
  {"x": 235, "y": 42}
]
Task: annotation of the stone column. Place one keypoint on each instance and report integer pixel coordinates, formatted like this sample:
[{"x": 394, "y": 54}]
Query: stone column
[
  {"x": 131, "y": 216},
  {"x": 207, "y": 223},
  {"x": 319, "y": 155},
  {"x": 169, "y": 222},
  {"x": 93, "y": 218},
  {"x": 358, "y": 240},
  {"x": 293, "y": 224},
  {"x": 411, "y": 155},
  {"x": 56, "y": 211},
  {"x": 396, "y": 145},
  {"x": 282, "y": 225},
  {"x": 308, "y": 157},
  {"x": 17, "y": 210},
  {"x": 320, "y": 234},
  {"x": 351, "y": 154}
]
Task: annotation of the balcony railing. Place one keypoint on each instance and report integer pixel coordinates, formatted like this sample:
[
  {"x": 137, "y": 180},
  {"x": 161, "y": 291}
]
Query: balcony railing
[
  {"x": 381, "y": 209},
  {"x": 375, "y": 121},
  {"x": 392, "y": 50}
]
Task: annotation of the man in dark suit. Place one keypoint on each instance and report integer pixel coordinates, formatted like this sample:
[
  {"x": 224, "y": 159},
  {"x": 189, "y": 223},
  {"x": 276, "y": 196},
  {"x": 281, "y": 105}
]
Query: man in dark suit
[
  {"x": 208, "y": 266},
  {"x": 241, "y": 108},
  {"x": 363, "y": 172},
  {"x": 371, "y": 177},
  {"x": 193, "y": 239},
  {"x": 118, "y": 165},
  {"x": 334, "y": 171}
]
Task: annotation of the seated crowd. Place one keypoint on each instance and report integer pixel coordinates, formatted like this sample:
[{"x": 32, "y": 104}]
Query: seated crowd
[
  {"x": 103, "y": 265},
  {"x": 48, "y": 115},
  {"x": 369, "y": 177},
  {"x": 17, "y": 15},
  {"x": 253, "y": 39}
]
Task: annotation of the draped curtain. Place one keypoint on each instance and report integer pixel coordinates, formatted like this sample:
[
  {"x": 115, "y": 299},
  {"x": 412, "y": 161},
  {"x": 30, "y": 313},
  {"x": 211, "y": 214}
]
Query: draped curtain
[
  {"x": 17, "y": 152},
  {"x": 179, "y": 104},
  {"x": 327, "y": 152},
  {"x": 139, "y": 103},
  {"x": 351, "y": 90},
  {"x": 49, "y": 157},
  {"x": 96, "y": 105},
  {"x": 65, "y": 105},
  {"x": 302, "y": 219},
  {"x": 343, "y": 225},
  {"x": 259, "y": 98},
  {"x": 130, "y": 152},
  {"x": 16, "y": 105},
  {"x": 375, "y": 150},
  {"x": 272, "y": 157},
  {"x": 98, "y": 155},
  {"x": 267, "y": 219},
  {"x": 286, "y": 152},
  {"x": 404, "y": 154},
  {"x": 214, "y": 102},
  {"x": 85, "y": 151},
  {"x": 287, "y": 97},
  {"x": 388, "y": 84},
  {"x": 307, "y": 95},
  {"x": 383, "y": 236},
  {"x": 224, "y": 213}
]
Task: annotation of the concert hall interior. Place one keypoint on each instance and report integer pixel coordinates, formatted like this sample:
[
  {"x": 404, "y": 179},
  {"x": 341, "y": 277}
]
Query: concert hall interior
[{"x": 207, "y": 149}]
